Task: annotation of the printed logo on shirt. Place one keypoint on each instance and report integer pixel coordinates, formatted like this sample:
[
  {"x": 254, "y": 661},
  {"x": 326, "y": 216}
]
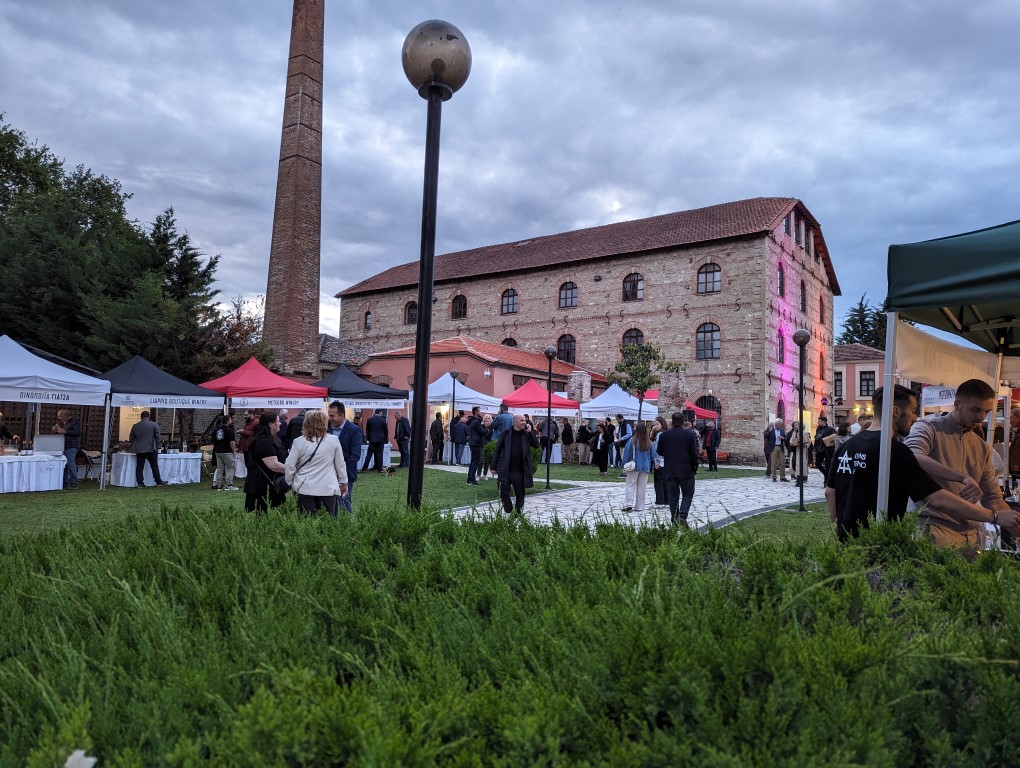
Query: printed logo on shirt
[{"x": 844, "y": 464}]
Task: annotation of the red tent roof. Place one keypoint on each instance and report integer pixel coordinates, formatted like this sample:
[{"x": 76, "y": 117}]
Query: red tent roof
[
  {"x": 533, "y": 395},
  {"x": 255, "y": 380},
  {"x": 701, "y": 413}
]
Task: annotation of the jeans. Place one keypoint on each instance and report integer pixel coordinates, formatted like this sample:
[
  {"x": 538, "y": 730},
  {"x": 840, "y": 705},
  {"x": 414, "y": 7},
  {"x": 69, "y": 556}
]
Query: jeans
[
  {"x": 437, "y": 452},
  {"x": 347, "y": 501},
  {"x": 458, "y": 452},
  {"x": 404, "y": 446},
  {"x": 675, "y": 487},
  {"x": 71, "y": 468}
]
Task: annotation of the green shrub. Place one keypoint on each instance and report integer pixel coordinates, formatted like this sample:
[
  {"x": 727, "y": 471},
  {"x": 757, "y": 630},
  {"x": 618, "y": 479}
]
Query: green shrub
[
  {"x": 407, "y": 638},
  {"x": 490, "y": 448}
]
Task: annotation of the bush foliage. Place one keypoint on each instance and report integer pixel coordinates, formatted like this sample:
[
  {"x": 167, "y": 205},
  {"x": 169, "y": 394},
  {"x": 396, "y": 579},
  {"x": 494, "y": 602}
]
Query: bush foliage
[{"x": 407, "y": 638}]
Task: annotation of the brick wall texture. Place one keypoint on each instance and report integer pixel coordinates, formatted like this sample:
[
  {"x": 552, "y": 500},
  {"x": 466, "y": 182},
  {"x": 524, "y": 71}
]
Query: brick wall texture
[
  {"x": 749, "y": 380},
  {"x": 292, "y": 293}
]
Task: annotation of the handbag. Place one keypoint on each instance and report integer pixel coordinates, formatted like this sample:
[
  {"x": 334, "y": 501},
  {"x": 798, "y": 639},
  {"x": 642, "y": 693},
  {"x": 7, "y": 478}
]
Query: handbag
[{"x": 630, "y": 466}]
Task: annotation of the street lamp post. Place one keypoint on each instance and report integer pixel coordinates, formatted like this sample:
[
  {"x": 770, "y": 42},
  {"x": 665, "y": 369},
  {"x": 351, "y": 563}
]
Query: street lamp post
[
  {"x": 437, "y": 61},
  {"x": 801, "y": 337},
  {"x": 453, "y": 410},
  {"x": 550, "y": 355}
]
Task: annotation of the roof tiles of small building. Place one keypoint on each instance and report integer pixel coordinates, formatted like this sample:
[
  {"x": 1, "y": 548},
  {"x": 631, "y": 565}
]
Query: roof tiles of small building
[
  {"x": 852, "y": 353},
  {"x": 336, "y": 352},
  {"x": 742, "y": 218},
  {"x": 494, "y": 354}
]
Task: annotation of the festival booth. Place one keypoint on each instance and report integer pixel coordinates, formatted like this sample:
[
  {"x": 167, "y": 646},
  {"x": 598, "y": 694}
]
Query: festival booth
[
  {"x": 615, "y": 400},
  {"x": 252, "y": 385},
  {"x": 27, "y": 378},
  {"x": 534, "y": 399},
  {"x": 139, "y": 385},
  {"x": 967, "y": 285},
  {"x": 441, "y": 392},
  {"x": 345, "y": 385}
]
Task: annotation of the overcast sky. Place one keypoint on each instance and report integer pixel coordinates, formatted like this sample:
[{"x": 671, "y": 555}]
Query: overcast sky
[{"x": 893, "y": 120}]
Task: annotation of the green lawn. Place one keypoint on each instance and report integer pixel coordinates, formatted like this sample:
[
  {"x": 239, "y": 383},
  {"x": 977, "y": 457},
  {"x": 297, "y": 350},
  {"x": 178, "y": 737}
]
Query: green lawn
[{"x": 788, "y": 524}]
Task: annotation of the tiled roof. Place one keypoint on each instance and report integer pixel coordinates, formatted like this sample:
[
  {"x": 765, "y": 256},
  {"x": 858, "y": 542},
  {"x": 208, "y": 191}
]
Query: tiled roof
[
  {"x": 494, "y": 354},
  {"x": 336, "y": 352},
  {"x": 717, "y": 222},
  {"x": 850, "y": 353}
]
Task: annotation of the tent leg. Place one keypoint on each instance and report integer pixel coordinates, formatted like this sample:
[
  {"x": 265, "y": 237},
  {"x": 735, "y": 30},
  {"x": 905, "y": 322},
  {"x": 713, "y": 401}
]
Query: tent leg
[
  {"x": 888, "y": 384},
  {"x": 106, "y": 446}
]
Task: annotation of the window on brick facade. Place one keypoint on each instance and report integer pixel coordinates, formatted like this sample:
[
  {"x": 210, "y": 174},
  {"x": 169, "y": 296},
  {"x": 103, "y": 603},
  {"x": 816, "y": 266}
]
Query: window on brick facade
[
  {"x": 709, "y": 403},
  {"x": 509, "y": 302},
  {"x": 411, "y": 313},
  {"x": 709, "y": 278},
  {"x": 520, "y": 381},
  {"x": 368, "y": 321},
  {"x": 566, "y": 348},
  {"x": 781, "y": 287},
  {"x": 458, "y": 308},
  {"x": 634, "y": 287},
  {"x": 781, "y": 348},
  {"x": 799, "y": 230},
  {"x": 786, "y": 223},
  {"x": 821, "y": 309},
  {"x": 708, "y": 344},
  {"x": 509, "y": 342},
  {"x": 803, "y": 296},
  {"x": 821, "y": 367},
  {"x": 837, "y": 384},
  {"x": 568, "y": 295},
  {"x": 633, "y": 336},
  {"x": 781, "y": 409},
  {"x": 867, "y": 381}
]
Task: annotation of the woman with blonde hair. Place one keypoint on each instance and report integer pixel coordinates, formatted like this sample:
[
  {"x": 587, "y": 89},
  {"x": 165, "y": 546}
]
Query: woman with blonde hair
[
  {"x": 315, "y": 468},
  {"x": 639, "y": 455}
]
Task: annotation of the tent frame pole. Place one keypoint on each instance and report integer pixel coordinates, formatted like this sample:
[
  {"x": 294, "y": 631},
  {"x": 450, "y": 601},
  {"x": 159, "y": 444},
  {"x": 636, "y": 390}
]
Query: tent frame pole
[{"x": 888, "y": 389}]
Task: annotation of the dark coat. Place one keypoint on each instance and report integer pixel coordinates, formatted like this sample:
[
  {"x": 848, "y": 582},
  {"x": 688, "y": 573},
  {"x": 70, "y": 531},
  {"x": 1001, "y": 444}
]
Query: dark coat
[
  {"x": 351, "y": 439},
  {"x": 770, "y": 438},
  {"x": 568, "y": 435},
  {"x": 376, "y": 429},
  {"x": 403, "y": 429},
  {"x": 712, "y": 437},
  {"x": 501, "y": 456},
  {"x": 678, "y": 448},
  {"x": 476, "y": 432},
  {"x": 458, "y": 432},
  {"x": 436, "y": 431}
]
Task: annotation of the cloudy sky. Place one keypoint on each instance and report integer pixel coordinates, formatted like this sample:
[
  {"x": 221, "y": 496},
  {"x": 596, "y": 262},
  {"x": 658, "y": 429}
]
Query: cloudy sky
[{"x": 893, "y": 120}]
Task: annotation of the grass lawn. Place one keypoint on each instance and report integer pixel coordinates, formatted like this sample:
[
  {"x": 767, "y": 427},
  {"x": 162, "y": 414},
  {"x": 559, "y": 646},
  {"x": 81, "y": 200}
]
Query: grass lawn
[{"x": 790, "y": 525}]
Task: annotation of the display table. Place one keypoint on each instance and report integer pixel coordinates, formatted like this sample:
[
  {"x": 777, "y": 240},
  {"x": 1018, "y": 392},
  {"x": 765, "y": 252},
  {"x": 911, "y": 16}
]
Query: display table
[
  {"x": 386, "y": 451},
  {"x": 174, "y": 468},
  {"x": 41, "y": 472}
]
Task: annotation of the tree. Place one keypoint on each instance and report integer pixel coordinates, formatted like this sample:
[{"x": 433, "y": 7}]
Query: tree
[
  {"x": 237, "y": 337},
  {"x": 864, "y": 324},
  {"x": 638, "y": 370}
]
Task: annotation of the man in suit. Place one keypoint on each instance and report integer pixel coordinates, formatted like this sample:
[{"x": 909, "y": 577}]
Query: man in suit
[
  {"x": 350, "y": 437},
  {"x": 144, "y": 437},
  {"x": 295, "y": 426},
  {"x": 436, "y": 434},
  {"x": 476, "y": 439},
  {"x": 512, "y": 460},
  {"x": 402, "y": 434},
  {"x": 775, "y": 451},
  {"x": 378, "y": 433},
  {"x": 678, "y": 448}
]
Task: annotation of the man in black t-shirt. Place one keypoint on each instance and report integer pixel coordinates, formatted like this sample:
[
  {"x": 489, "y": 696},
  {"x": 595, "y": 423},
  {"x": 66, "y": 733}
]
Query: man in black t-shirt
[
  {"x": 225, "y": 451},
  {"x": 851, "y": 489}
]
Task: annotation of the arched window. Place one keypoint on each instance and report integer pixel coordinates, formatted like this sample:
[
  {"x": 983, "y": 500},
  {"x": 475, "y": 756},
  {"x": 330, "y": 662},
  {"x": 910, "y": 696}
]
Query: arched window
[
  {"x": 509, "y": 342},
  {"x": 781, "y": 348},
  {"x": 821, "y": 367},
  {"x": 633, "y": 336},
  {"x": 709, "y": 278},
  {"x": 781, "y": 409},
  {"x": 411, "y": 313},
  {"x": 368, "y": 321},
  {"x": 634, "y": 287},
  {"x": 803, "y": 296},
  {"x": 458, "y": 308},
  {"x": 509, "y": 303},
  {"x": 821, "y": 309},
  {"x": 782, "y": 281},
  {"x": 710, "y": 403},
  {"x": 708, "y": 346},
  {"x": 568, "y": 296},
  {"x": 566, "y": 348}
]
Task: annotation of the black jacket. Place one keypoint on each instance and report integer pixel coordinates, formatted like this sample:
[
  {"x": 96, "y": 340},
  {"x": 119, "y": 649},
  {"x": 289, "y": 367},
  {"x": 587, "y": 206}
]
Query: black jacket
[{"x": 501, "y": 456}]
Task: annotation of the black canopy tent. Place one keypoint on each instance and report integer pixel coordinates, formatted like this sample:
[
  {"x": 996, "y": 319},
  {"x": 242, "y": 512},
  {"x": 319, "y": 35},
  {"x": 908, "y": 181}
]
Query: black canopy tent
[
  {"x": 355, "y": 392},
  {"x": 967, "y": 285}
]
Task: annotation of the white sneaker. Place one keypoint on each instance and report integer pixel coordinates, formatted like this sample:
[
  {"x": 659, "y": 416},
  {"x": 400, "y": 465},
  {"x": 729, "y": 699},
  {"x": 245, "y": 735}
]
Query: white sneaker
[{"x": 231, "y": 488}]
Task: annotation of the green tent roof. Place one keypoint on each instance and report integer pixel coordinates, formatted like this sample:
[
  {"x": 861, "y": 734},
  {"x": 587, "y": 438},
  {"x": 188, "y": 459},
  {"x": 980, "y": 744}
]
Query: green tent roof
[{"x": 966, "y": 284}]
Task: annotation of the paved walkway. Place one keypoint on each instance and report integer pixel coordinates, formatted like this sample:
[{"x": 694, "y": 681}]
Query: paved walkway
[{"x": 716, "y": 502}]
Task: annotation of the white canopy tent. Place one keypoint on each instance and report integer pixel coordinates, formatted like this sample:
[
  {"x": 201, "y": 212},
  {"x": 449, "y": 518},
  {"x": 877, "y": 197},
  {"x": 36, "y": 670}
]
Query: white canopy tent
[
  {"x": 613, "y": 401},
  {"x": 441, "y": 391}
]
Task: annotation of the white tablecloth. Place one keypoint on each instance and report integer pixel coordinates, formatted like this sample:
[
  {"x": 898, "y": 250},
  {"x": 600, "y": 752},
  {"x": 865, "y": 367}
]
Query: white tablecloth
[
  {"x": 465, "y": 457},
  {"x": 41, "y": 472},
  {"x": 174, "y": 468},
  {"x": 386, "y": 451}
]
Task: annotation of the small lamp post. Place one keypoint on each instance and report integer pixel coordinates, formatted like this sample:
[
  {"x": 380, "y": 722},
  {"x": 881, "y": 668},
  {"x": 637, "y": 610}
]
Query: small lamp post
[
  {"x": 453, "y": 409},
  {"x": 437, "y": 61},
  {"x": 801, "y": 337},
  {"x": 550, "y": 355}
]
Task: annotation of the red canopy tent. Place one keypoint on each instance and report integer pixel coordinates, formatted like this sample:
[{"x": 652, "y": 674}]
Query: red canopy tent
[
  {"x": 701, "y": 413},
  {"x": 533, "y": 397},
  {"x": 254, "y": 386}
]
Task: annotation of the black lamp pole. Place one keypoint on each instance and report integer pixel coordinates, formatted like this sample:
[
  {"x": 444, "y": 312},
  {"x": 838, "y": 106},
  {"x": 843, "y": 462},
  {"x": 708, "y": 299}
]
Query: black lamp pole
[
  {"x": 801, "y": 337},
  {"x": 550, "y": 355},
  {"x": 453, "y": 410},
  {"x": 437, "y": 61}
]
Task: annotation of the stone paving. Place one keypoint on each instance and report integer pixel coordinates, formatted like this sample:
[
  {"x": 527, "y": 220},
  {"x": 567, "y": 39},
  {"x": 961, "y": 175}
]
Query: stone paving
[{"x": 716, "y": 502}]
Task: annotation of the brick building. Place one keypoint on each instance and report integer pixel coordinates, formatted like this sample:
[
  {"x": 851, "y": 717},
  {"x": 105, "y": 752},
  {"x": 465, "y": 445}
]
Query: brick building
[{"x": 720, "y": 289}]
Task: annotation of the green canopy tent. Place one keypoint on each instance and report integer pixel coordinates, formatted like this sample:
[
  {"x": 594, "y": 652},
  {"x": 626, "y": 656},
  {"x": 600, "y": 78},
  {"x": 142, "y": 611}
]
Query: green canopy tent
[{"x": 967, "y": 285}]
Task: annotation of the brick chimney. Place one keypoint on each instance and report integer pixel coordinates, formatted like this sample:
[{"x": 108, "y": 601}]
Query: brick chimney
[{"x": 292, "y": 292}]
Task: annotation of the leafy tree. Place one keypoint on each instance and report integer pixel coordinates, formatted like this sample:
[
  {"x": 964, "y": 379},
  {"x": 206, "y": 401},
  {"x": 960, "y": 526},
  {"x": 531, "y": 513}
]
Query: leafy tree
[
  {"x": 237, "y": 337},
  {"x": 639, "y": 368}
]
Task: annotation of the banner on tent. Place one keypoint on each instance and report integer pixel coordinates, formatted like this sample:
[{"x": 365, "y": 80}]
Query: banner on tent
[
  {"x": 18, "y": 395},
  {"x": 166, "y": 401},
  {"x": 922, "y": 357},
  {"x": 937, "y": 396},
  {"x": 277, "y": 402},
  {"x": 364, "y": 404}
]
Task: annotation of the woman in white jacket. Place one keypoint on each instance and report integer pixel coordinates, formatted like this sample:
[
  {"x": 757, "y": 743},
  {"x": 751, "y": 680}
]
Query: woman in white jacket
[{"x": 315, "y": 468}]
